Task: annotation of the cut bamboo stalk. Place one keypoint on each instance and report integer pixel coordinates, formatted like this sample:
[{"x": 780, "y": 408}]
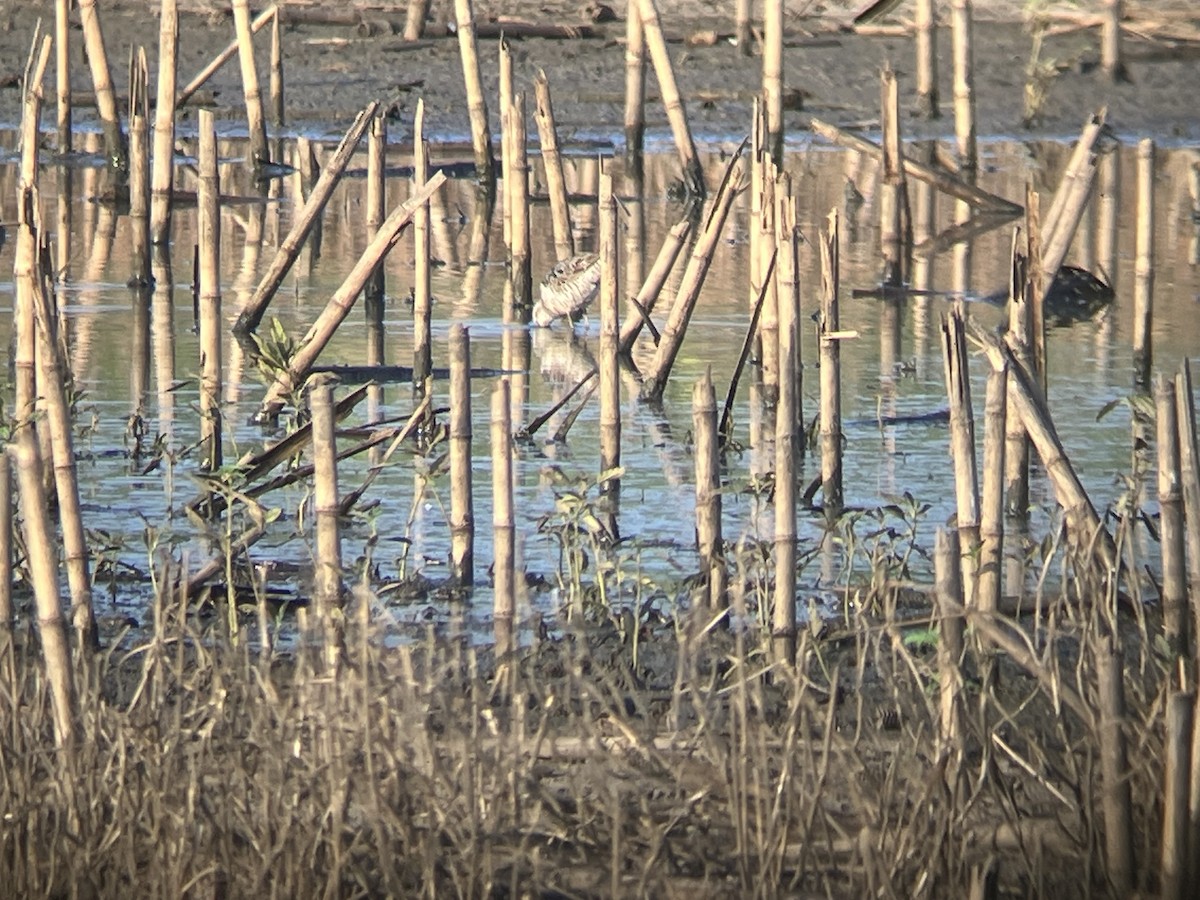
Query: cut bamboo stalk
[
  {"x": 948, "y": 588},
  {"x": 925, "y": 26},
  {"x": 201, "y": 78},
  {"x": 635, "y": 87},
  {"x": 1108, "y": 215},
  {"x": 689, "y": 287},
  {"x": 139, "y": 197},
  {"x": 209, "y": 229},
  {"x": 1110, "y": 41},
  {"x": 342, "y": 301},
  {"x": 710, "y": 543},
  {"x": 891, "y": 185},
  {"x": 962, "y": 447},
  {"x": 518, "y": 192},
  {"x": 772, "y": 78},
  {"x": 62, "y": 72},
  {"x": 481, "y": 133},
  {"x": 742, "y": 32},
  {"x": 503, "y": 523},
  {"x": 652, "y": 287},
  {"x": 327, "y": 574},
  {"x": 275, "y": 84},
  {"x": 1177, "y": 770},
  {"x": 556, "y": 185},
  {"x": 1117, "y": 800},
  {"x": 947, "y": 184},
  {"x": 462, "y": 503},
  {"x": 964, "y": 84},
  {"x": 1076, "y": 168},
  {"x": 252, "y": 313},
  {"x": 164, "y": 124},
  {"x": 376, "y": 288},
  {"x": 610, "y": 330},
  {"x": 505, "y": 104},
  {"x": 259, "y": 153},
  {"x": 1025, "y": 399},
  {"x": 831, "y": 378},
  {"x": 422, "y": 264},
  {"x": 991, "y": 513},
  {"x": 106, "y": 101},
  {"x": 787, "y": 417},
  {"x": 1143, "y": 266},
  {"x": 7, "y": 522},
  {"x": 414, "y": 20},
  {"x": 693, "y": 175},
  {"x": 1170, "y": 502},
  {"x": 42, "y": 564}
]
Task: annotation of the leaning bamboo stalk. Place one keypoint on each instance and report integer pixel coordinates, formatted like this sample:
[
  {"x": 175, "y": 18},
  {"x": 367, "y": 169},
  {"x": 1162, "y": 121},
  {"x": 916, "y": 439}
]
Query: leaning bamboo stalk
[
  {"x": 1116, "y": 800},
  {"x": 42, "y": 564},
  {"x": 62, "y": 71},
  {"x": 708, "y": 491},
  {"x": 201, "y": 78},
  {"x": 289, "y": 248},
  {"x": 481, "y": 133},
  {"x": 1177, "y": 770},
  {"x": 828, "y": 331},
  {"x": 518, "y": 192},
  {"x": 1076, "y": 168},
  {"x": 209, "y": 230},
  {"x": 503, "y": 523},
  {"x": 462, "y": 504},
  {"x": 948, "y": 589},
  {"x": 635, "y": 87},
  {"x": 610, "y": 330},
  {"x": 1170, "y": 502},
  {"x": 259, "y": 153},
  {"x": 164, "y": 124},
  {"x": 925, "y": 26},
  {"x": 964, "y": 83},
  {"x": 342, "y": 301},
  {"x": 689, "y": 289},
  {"x": 991, "y": 513},
  {"x": 106, "y": 101},
  {"x": 1025, "y": 398},
  {"x": 947, "y": 184},
  {"x": 327, "y": 574},
  {"x": 1143, "y": 265},
  {"x": 962, "y": 446},
  {"x": 1056, "y": 243},
  {"x": 772, "y": 78},
  {"x": 376, "y": 209},
  {"x": 693, "y": 176},
  {"x": 25, "y": 270},
  {"x": 556, "y": 185},
  {"x": 51, "y": 373},
  {"x": 647, "y": 295},
  {"x": 787, "y": 417},
  {"x": 422, "y": 265}
]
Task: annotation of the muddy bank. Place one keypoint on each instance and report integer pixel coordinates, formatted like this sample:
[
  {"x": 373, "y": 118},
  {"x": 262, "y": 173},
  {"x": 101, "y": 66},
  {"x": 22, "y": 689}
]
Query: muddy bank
[{"x": 333, "y": 71}]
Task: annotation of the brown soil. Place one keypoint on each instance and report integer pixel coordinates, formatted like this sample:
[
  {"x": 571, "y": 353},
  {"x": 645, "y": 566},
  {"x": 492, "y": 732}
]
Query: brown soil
[{"x": 333, "y": 71}]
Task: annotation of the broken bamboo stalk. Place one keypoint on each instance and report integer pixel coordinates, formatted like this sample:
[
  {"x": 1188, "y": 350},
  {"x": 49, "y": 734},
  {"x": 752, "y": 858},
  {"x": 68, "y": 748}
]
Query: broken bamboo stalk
[
  {"x": 708, "y": 491},
  {"x": 342, "y": 301},
  {"x": 252, "y": 313},
  {"x": 223, "y": 57},
  {"x": 517, "y": 189},
  {"x": 647, "y": 296},
  {"x": 991, "y": 513},
  {"x": 948, "y": 588},
  {"x": 962, "y": 447}
]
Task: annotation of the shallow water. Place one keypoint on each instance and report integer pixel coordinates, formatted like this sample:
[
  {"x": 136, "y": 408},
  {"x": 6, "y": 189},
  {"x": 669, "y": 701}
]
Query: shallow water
[{"x": 132, "y": 357}]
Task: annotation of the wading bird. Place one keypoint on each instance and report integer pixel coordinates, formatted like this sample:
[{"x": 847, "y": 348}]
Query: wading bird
[{"x": 572, "y": 284}]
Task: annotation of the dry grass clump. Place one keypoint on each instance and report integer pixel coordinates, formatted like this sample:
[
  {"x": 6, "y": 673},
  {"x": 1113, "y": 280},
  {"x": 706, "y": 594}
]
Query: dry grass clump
[{"x": 632, "y": 755}]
